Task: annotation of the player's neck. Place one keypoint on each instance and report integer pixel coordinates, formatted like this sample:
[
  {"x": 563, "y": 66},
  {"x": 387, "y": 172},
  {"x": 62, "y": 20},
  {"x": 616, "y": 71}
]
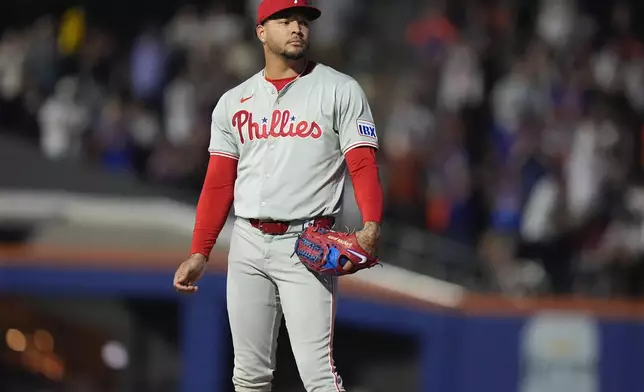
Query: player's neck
[{"x": 279, "y": 68}]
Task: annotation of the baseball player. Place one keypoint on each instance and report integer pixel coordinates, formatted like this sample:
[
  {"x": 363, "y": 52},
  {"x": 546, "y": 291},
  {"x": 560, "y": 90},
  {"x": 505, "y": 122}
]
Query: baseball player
[{"x": 281, "y": 143}]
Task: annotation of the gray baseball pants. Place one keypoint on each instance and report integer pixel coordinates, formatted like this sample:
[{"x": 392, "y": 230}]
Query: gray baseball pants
[{"x": 266, "y": 281}]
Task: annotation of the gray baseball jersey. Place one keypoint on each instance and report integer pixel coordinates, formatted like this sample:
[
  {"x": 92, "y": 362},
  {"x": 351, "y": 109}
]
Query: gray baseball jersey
[{"x": 291, "y": 144}]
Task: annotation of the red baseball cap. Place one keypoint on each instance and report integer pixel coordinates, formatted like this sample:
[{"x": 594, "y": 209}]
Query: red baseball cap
[{"x": 268, "y": 8}]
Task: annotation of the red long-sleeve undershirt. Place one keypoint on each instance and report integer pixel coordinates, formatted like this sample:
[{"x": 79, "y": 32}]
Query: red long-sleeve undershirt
[
  {"x": 217, "y": 194},
  {"x": 363, "y": 169},
  {"x": 214, "y": 203}
]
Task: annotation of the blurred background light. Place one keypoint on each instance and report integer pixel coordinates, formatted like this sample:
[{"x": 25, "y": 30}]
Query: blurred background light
[
  {"x": 16, "y": 340},
  {"x": 52, "y": 367},
  {"x": 44, "y": 341},
  {"x": 115, "y": 355}
]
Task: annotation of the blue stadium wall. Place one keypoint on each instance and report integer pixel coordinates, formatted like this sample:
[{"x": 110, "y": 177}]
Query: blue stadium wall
[{"x": 483, "y": 349}]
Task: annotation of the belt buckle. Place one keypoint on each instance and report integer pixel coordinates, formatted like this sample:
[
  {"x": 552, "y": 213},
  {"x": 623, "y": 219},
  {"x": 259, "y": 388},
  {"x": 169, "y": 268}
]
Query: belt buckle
[{"x": 323, "y": 222}]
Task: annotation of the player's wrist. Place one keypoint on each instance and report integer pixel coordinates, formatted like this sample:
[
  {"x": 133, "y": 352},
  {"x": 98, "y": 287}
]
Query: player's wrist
[
  {"x": 371, "y": 227},
  {"x": 199, "y": 257}
]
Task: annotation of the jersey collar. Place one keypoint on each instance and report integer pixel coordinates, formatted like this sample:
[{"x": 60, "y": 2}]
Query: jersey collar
[{"x": 308, "y": 68}]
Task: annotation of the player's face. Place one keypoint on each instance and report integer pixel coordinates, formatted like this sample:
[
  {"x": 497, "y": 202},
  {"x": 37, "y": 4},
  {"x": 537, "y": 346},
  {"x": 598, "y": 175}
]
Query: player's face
[{"x": 287, "y": 35}]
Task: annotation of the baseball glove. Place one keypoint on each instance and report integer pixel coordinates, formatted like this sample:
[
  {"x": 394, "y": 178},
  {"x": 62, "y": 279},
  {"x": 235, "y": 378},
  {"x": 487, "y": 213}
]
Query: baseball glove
[{"x": 334, "y": 253}]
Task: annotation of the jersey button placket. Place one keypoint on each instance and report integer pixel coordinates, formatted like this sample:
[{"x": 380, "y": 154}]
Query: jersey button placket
[
  {"x": 266, "y": 188},
  {"x": 263, "y": 186}
]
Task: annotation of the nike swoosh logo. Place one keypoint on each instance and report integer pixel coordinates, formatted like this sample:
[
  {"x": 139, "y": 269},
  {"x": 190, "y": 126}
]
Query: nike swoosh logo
[
  {"x": 246, "y": 99},
  {"x": 363, "y": 258}
]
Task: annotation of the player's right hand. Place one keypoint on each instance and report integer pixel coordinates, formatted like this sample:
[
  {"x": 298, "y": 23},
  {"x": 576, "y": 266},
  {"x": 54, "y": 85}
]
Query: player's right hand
[{"x": 189, "y": 272}]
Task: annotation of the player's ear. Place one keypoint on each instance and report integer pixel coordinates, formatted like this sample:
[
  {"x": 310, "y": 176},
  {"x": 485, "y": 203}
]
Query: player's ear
[{"x": 260, "y": 30}]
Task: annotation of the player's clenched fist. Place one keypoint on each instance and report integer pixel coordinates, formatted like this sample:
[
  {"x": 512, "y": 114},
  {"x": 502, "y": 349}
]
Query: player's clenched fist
[
  {"x": 369, "y": 237},
  {"x": 189, "y": 272}
]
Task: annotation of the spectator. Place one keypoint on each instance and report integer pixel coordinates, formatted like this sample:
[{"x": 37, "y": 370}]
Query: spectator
[
  {"x": 12, "y": 57},
  {"x": 179, "y": 109},
  {"x": 183, "y": 32},
  {"x": 62, "y": 120},
  {"x": 450, "y": 181},
  {"x": 113, "y": 137},
  {"x": 585, "y": 168},
  {"x": 148, "y": 67},
  {"x": 408, "y": 130},
  {"x": 556, "y": 23},
  {"x": 432, "y": 32},
  {"x": 145, "y": 134},
  {"x": 221, "y": 29},
  {"x": 41, "y": 62},
  {"x": 461, "y": 79}
]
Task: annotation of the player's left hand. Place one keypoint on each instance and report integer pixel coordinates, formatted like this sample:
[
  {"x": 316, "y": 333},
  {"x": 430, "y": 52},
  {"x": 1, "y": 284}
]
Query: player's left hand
[
  {"x": 337, "y": 253},
  {"x": 368, "y": 239}
]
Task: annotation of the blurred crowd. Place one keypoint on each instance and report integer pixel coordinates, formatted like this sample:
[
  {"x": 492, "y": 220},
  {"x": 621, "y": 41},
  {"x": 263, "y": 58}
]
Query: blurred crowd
[{"x": 511, "y": 127}]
